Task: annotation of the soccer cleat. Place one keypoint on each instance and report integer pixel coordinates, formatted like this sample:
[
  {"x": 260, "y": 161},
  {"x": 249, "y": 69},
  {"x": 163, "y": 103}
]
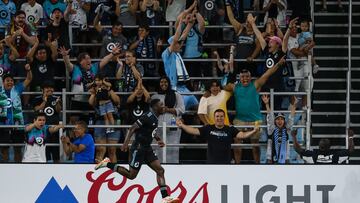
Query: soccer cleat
[
  {"x": 169, "y": 199},
  {"x": 102, "y": 164}
]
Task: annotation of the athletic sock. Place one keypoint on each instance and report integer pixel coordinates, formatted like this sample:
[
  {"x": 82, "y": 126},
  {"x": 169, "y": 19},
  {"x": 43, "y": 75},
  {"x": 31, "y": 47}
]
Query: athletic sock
[
  {"x": 111, "y": 165},
  {"x": 163, "y": 191}
]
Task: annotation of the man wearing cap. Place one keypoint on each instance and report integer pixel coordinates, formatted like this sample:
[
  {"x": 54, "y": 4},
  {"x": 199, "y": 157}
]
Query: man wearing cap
[
  {"x": 58, "y": 29},
  {"x": 11, "y": 112},
  {"x": 51, "y": 106},
  {"x": 50, "y": 6},
  {"x": 278, "y": 130},
  {"x": 273, "y": 52}
]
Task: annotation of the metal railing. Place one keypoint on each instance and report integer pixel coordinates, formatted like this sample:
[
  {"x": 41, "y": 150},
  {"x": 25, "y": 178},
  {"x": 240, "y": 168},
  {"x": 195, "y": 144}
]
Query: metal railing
[
  {"x": 348, "y": 77},
  {"x": 163, "y": 126}
]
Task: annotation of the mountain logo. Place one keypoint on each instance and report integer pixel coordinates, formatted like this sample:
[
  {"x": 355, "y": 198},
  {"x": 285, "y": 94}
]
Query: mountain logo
[{"x": 53, "y": 193}]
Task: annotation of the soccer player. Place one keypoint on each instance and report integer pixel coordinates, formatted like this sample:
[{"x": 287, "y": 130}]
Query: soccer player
[{"x": 141, "y": 151}]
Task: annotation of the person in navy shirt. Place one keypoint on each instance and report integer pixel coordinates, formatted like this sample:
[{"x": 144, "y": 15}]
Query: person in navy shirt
[{"x": 83, "y": 146}]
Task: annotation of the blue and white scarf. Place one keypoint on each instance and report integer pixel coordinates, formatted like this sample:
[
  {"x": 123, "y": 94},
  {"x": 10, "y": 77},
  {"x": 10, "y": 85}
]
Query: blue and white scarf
[{"x": 280, "y": 151}]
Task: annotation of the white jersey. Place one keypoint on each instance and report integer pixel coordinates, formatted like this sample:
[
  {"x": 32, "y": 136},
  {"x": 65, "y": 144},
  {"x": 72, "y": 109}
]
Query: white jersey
[
  {"x": 33, "y": 13},
  {"x": 34, "y": 153},
  {"x": 79, "y": 18}
]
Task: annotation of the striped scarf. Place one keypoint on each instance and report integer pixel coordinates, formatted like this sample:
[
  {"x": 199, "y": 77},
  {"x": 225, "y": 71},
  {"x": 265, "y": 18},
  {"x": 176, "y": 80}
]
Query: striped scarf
[{"x": 280, "y": 150}]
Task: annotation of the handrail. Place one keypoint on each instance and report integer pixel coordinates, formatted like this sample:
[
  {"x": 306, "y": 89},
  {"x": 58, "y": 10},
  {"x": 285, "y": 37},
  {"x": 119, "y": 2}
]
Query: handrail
[
  {"x": 185, "y": 59},
  {"x": 348, "y": 77}
]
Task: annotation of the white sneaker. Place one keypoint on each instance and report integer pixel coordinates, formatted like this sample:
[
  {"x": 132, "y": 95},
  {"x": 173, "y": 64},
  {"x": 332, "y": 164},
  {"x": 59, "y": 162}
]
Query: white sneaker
[
  {"x": 169, "y": 199},
  {"x": 102, "y": 164}
]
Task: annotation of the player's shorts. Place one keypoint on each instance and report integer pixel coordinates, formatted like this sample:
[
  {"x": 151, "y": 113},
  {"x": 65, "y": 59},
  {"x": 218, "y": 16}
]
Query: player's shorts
[
  {"x": 256, "y": 136},
  {"x": 141, "y": 155}
]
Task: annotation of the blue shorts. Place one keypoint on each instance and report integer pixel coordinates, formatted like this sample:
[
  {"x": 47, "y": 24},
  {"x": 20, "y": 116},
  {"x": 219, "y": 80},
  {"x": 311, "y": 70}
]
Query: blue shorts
[
  {"x": 99, "y": 133},
  {"x": 108, "y": 107},
  {"x": 189, "y": 100}
]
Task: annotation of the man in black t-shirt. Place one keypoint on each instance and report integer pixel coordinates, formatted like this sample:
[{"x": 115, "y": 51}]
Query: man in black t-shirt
[
  {"x": 324, "y": 155},
  {"x": 219, "y": 137},
  {"x": 42, "y": 62},
  {"x": 58, "y": 29},
  {"x": 51, "y": 106},
  {"x": 145, "y": 129},
  {"x": 273, "y": 51}
]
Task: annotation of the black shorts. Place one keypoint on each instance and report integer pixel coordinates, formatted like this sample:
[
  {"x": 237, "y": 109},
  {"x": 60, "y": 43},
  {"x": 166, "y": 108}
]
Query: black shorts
[
  {"x": 11, "y": 136},
  {"x": 139, "y": 156}
]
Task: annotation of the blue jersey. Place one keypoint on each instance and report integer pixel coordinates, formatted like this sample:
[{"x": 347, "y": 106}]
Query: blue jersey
[{"x": 6, "y": 12}]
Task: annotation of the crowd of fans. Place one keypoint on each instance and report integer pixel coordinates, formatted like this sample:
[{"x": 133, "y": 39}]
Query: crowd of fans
[{"x": 36, "y": 34}]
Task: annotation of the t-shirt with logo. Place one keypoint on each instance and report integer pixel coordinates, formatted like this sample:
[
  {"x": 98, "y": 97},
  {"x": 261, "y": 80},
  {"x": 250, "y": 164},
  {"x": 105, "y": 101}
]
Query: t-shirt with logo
[
  {"x": 137, "y": 108},
  {"x": 5, "y": 65},
  {"x": 87, "y": 155},
  {"x": 33, "y": 13},
  {"x": 245, "y": 44},
  {"x": 6, "y": 12},
  {"x": 330, "y": 157},
  {"x": 219, "y": 143},
  {"x": 271, "y": 59},
  {"x": 208, "y": 9},
  {"x": 109, "y": 41},
  {"x": 7, "y": 103},
  {"x": 79, "y": 18},
  {"x": 148, "y": 124},
  {"x": 42, "y": 71},
  {"x": 35, "y": 147},
  {"x": 52, "y": 116}
]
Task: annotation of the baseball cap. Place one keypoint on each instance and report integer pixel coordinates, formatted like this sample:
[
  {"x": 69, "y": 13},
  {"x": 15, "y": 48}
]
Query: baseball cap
[
  {"x": 56, "y": 9},
  {"x": 7, "y": 75},
  {"x": 278, "y": 115},
  {"x": 48, "y": 83},
  {"x": 276, "y": 39}
]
